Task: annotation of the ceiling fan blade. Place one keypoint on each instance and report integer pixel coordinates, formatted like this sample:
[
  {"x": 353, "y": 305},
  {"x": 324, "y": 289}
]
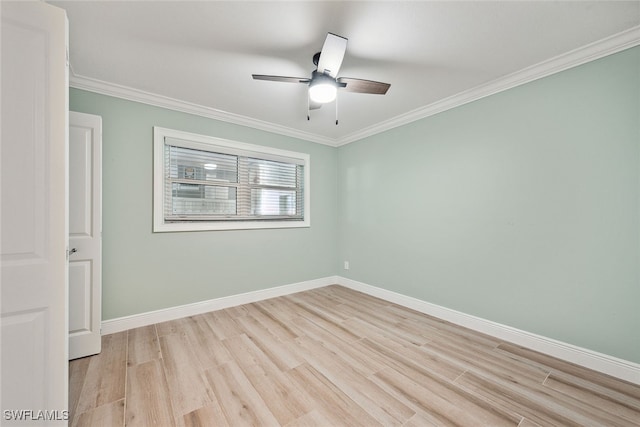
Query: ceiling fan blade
[
  {"x": 281, "y": 78},
  {"x": 363, "y": 86},
  {"x": 332, "y": 55}
]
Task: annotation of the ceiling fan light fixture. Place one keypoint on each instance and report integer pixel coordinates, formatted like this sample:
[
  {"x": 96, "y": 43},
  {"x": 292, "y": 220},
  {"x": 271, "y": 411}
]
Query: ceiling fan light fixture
[
  {"x": 322, "y": 88},
  {"x": 323, "y": 92}
]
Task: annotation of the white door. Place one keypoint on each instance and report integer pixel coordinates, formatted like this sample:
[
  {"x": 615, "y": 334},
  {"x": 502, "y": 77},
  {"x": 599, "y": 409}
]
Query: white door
[
  {"x": 34, "y": 227},
  {"x": 85, "y": 229}
]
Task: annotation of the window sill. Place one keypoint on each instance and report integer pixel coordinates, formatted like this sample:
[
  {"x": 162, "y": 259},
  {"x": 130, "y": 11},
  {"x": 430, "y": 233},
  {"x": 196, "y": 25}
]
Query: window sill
[{"x": 227, "y": 225}]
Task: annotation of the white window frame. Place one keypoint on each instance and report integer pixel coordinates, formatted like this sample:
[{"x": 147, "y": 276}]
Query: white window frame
[{"x": 209, "y": 143}]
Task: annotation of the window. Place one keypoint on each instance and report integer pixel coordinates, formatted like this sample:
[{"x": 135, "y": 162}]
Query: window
[{"x": 206, "y": 183}]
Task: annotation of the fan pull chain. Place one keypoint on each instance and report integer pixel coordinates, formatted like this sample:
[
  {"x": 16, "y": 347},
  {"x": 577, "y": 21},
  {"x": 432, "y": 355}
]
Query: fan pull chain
[
  {"x": 308, "y": 107},
  {"x": 336, "y": 110}
]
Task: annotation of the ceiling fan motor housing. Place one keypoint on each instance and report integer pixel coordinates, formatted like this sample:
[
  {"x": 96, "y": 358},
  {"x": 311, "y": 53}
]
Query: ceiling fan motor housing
[{"x": 322, "y": 87}]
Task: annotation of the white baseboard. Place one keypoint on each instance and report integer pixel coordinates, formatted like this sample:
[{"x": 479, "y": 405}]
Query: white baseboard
[
  {"x": 149, "y": 318},
  {"x": 610, "y": 365}
]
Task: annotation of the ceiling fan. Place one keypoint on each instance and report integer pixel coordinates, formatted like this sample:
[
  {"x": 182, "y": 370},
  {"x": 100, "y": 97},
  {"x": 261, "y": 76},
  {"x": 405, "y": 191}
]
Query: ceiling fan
[{"x": 324, "y": 83}]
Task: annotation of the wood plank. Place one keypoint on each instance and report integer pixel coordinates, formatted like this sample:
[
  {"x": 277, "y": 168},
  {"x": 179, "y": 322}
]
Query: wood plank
[
  {"x": 310, "y": 419},
  {"x": 278, "y": 327},
  {"x": 268, "y": 379},
  {"x": 185, "y": 379},
  {"x": 239, "y": 400},
  {"x": 222, "y": 324},
  {"x": 325, "y": 322},
  {"x": 108, "y": 415},
  {"x": 539, "y": 405},
  {"x": 283, "y": 309},
  {"x": 527, "y": 423},
  {"x": 394, "y": 330},
  {"x": 333, "y": 356},
  {"x": 351, "y": 296},
  {"x": 339, "y": 408},
  {"x": 143, "y": 345},
  {"x": 77, "y": 372},
  {"x": 414, "y": 361},
  {"x": 170, "y": 327},
  {"x": 361, "y": 358},
  {"x": 104, "y": 380},
  {"x": 375, "y": 401},
  {"x": 548, "y": 362},
  {"x": 278, "y": 350},
  {"x": 610, "y": 393},
  {"x": 204, "y": 343},
  {"x": 610, "y": 409},
  {"x": 487, "y": 361},
  {"x": 210, "y": 415},
  {"x": 420, "y": 420},
  {"x": 148, "y": 396},
  {"x": 443, "y": 403},
  {"x": 237, "y": 311},
  {"x": 437, "y": 328},
  {"x": 366, "y": 329},
  {"x": 321, "y": 304}
]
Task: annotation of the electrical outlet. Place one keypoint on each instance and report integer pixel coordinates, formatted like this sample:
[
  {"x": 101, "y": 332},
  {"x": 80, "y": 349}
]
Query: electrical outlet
[{"x": 346, "y": 265}]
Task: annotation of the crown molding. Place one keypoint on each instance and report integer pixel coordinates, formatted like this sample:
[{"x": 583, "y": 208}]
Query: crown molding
[
  {"x": 131, "y": 94},
  {"x": 596, "y": 50},
  {"x": 599, "y": 49}
]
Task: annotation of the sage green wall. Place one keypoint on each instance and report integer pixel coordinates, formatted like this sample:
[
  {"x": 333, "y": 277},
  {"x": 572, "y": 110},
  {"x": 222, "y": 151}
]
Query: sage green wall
[
  {"x": 521, "y": 208},
  {"x": 144, "y": 271}
]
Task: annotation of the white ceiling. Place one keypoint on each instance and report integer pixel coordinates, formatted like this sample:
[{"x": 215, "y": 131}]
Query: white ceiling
[{"x": 202, "y": 54}]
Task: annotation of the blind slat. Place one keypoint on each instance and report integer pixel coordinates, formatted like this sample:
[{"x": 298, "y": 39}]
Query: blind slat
[{"x": 257, "y": 188}]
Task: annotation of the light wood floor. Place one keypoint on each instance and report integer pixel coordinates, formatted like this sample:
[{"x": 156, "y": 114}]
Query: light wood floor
[{"x": 334, "y": 357}]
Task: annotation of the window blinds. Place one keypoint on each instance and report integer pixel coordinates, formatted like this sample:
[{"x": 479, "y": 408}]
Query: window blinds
[{"x": 222, "y": 183}]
